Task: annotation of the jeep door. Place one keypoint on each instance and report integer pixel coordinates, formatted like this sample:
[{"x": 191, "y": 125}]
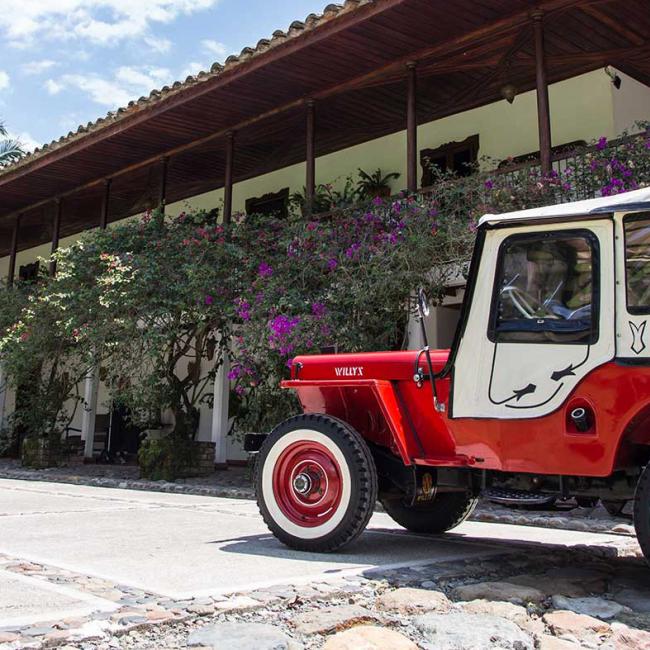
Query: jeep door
[{"x": 542, "y": 317}]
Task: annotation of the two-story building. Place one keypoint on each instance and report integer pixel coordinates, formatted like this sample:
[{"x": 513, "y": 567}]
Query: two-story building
[{"x": 369, "y": 84}]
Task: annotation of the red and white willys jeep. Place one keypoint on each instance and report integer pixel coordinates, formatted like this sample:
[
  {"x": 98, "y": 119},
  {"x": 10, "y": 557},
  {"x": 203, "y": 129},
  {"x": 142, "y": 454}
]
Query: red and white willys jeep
[{"x": 545, "y": 391}]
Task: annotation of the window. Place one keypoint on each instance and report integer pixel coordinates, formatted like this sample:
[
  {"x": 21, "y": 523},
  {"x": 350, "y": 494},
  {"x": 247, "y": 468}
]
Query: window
[
  {"x": 457, "y": 157},
  {"x": 637, "y": 262},
  {"x": 271, "y": 205},
  {"x": 546, "y": 289}
]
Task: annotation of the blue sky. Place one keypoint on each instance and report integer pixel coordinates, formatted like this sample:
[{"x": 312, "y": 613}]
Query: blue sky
[{"x": 67, "y": 62}]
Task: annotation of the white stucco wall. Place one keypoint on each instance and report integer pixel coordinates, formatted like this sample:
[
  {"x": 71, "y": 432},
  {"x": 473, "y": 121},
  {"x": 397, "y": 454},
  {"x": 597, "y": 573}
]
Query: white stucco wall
[{"x": 631, "y": 104}]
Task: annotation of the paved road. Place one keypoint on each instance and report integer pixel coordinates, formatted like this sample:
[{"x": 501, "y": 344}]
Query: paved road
[{"x": 182, "y": 546}]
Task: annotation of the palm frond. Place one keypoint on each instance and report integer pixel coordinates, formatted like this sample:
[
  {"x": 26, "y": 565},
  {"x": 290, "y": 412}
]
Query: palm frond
[{"x": 10, "y": 152}]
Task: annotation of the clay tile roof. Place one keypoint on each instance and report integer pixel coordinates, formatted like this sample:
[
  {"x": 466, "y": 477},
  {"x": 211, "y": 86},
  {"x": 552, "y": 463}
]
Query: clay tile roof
[{"x": 295, "y": 30}]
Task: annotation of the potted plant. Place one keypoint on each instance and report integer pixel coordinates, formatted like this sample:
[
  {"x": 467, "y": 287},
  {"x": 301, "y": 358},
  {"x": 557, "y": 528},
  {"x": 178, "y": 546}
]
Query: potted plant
[{"x": 375, "y": 184}]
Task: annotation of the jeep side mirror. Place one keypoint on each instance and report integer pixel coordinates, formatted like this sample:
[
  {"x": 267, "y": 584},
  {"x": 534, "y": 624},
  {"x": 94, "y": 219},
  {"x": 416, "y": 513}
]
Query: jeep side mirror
[{"x": 423, "y": 304}]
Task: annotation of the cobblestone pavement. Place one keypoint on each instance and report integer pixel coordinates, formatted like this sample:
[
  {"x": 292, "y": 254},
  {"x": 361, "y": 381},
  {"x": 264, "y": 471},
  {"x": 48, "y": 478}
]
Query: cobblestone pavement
[
  {"x": 236, "y": 483},
  {"x": 593, "y": 597},
  {"x": 506, "y": 594}
]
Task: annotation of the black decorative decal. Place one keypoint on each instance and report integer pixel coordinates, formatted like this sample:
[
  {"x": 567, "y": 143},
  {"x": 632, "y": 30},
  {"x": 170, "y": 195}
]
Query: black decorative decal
[
  {"x": 517, "y": 394},
  {"x": 638, "y": 332},
  {"x": 556, "y": 376},
  {"x": 569, "y": 371}
]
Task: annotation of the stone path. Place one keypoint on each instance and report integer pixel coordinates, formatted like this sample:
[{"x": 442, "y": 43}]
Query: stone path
[
  {"x": 454, "y": 592},
  {"x": 449, "y": 605}
]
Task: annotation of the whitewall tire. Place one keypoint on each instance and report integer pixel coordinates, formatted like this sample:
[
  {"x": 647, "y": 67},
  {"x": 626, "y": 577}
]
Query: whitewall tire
[{"x": 316, "y": 483}]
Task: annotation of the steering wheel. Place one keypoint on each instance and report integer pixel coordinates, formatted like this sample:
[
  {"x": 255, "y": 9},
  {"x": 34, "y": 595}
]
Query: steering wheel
[{"x": 525, "y": 303}]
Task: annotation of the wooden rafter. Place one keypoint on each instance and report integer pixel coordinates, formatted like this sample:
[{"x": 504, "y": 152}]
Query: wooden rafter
[{"x": 624, "y": 30}]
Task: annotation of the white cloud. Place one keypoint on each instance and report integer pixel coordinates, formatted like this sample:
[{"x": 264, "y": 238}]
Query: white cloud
[
  {"x": 127, "y": 83},
  {"x": 215, "y": 48},
  {"x": 103, "y": 22},
  {"x": 37, "y": 67},
  {"x": 53, "y": 87},
  {"x": 158, "y": 45},
  {"x": 4, "y": 80}
]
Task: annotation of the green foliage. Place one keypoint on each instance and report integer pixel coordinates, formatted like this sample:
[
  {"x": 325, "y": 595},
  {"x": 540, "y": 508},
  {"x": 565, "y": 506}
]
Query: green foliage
[
  {"x": 166, "y": 459},
  {"x": 161, "y": 313},
  {"x": 10, "y": 150},
  {"x": 326, "y": 197},
  {"x": 375, "y": 184},
  {"x": 38, "y": 349}
]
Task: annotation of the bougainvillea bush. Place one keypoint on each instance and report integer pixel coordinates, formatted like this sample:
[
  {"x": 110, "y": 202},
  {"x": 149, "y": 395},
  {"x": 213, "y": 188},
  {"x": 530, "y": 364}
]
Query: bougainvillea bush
[
  {"x": 344, "y": 284},
  {"x": 157, "y": 302},
  {"x": 164, "y": 312},
  {"x": 40, "y": 356}
]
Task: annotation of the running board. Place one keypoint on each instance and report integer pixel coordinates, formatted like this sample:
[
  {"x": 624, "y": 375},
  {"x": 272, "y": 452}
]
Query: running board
[{"x": 506, "y": 497}]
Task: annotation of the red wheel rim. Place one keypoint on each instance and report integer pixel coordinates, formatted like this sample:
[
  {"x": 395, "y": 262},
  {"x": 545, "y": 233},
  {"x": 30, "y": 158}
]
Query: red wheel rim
[{"x": 307, "y": 483}]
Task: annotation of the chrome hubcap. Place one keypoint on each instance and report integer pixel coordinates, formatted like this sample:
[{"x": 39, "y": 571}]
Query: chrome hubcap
[{"x": 302, "y": 483}]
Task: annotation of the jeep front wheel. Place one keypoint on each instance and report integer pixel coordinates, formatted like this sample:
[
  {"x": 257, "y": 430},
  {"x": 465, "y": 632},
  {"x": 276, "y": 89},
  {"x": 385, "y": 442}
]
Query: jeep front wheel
[
  {"x": 316, "y": 483},
  {"x": 642, "y": 512},
  {"x": 444, "y": 512}
]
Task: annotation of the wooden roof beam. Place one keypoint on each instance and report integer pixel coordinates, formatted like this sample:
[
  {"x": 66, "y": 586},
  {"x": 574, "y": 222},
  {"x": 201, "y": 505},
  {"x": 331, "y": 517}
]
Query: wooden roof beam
[{"x": 622, "y": 30}]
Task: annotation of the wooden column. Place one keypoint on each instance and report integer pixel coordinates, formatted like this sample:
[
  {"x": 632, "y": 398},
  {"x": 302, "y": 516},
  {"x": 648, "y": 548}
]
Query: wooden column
[
  {"x": 227, "y": 183},
  {"x": 162, "y": 197},
  {"x": 310, "y": 180},
  {"x": 543, "y": 110},
  {"x": 13, "y": 253},
  {"x": 412, "y": 130},
  {"x": 103, "y": 219},
  {"x": 56, "y": 230}
]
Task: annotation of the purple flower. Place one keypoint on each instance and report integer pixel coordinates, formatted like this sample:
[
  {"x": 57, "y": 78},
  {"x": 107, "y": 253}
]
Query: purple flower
[
  {"x": 243, "y": 309},
  {"x": 318, "y": 309},
  {"x": 350, "y": 252},
  {"x": 209, "y": 299},
  {"x": 235, "y": 373},
  {"x": 378, "y": 201},
  {"x": 264, "y": 270},
  {"x": 489, "y": 184},
  {"x": 332, "y": 264},
  {"x": 647, "y": 144},
  {"x": 602, "y": 143}
]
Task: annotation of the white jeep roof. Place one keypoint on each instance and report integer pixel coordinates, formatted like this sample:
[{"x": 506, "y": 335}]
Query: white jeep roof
[{"x": 626, "y": 202}]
